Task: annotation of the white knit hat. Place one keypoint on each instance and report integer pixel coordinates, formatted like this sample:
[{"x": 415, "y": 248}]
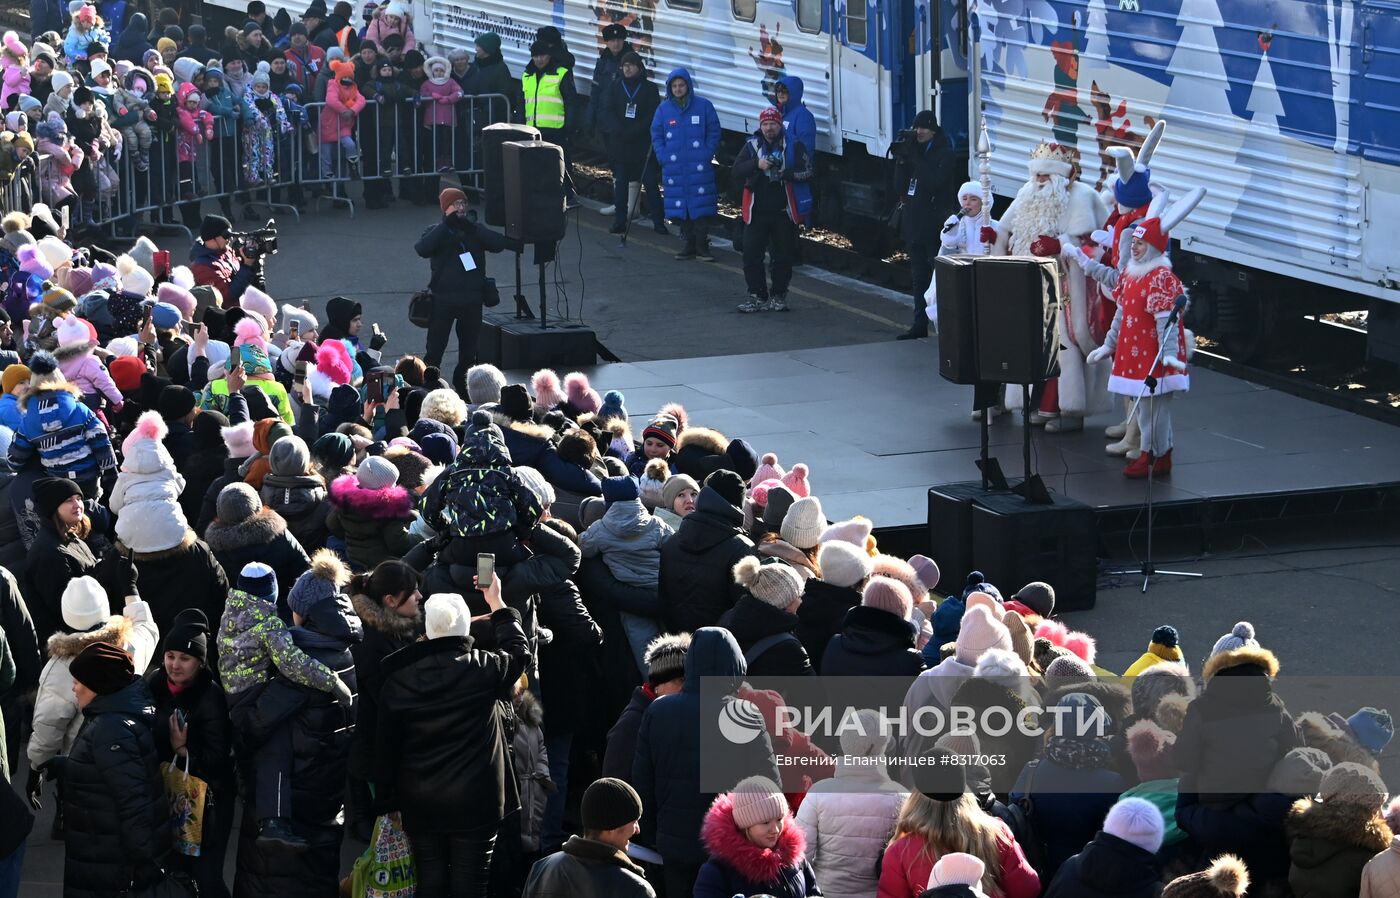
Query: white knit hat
[
  {"x": 957, "y": 869},
  {"x": 1240, "y": 636},
  {"x": 978, "y": 634},
  {"x": 804, "y": 522},
  {"x": 1138, "y": 821},
  {"x": 84, "y": 604},
  {"x": 756, "y": 800},
  {"x": 865, "y": 736},
  {"x": 446, "y": 614},
  {"x": 534, "y": 482},
  {"x": 842, "y": 564}
]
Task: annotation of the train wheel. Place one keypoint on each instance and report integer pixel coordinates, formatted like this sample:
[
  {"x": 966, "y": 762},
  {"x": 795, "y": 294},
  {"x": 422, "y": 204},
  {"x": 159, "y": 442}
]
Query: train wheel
[{"x": 1248, "y": 324}]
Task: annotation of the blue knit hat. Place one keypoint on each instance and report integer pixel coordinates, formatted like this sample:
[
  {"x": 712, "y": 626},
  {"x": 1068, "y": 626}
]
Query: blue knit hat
[
  {"x": 612, "y": 406},
  {"x": 947, "y": 620},
  {"x": 259, "y": 580},
  {"x": 620, "y": 489},
  {"x": 1372, "y": 727},
  {"x": 1135, "y": 192}
]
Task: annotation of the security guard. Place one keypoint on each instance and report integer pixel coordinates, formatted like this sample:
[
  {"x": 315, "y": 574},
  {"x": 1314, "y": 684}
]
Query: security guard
[
  {"x": 551, "y": 102},
  {"x": 926, "y": 176}
]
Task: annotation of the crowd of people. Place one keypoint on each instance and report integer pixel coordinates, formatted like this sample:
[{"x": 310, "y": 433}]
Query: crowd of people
[{"x": 468, "y": 627}]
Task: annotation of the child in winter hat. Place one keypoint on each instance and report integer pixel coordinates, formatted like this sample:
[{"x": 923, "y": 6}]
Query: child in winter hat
[
  {"x": 652, "y": 483},
  {"x": 1240, "y": 636},
  {"x": 1372, "y": 728},
  {"x": 52, "y": 405},
  {"x": 1165, "y": 647},
  {"x": 1138, "y": 822},
  {"x": 146, "y": 498},
  {"x": 773, "y": 583},
  {"x": 750, "y": 836},
  {"x": 956, "y": 875},
  {"x": 803, "y": 524},
  {"x": 612, "y": 407},
  {"x": 1226, "y": 877},
  {"x": 888, "y": 594},
  {"x": 843, "y": 564}
]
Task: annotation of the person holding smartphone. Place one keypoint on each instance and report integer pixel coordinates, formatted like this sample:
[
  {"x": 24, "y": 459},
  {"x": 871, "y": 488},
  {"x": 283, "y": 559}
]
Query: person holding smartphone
[
  {"x": 192, "y": 732},
  {"x": 441, "y": 751}
]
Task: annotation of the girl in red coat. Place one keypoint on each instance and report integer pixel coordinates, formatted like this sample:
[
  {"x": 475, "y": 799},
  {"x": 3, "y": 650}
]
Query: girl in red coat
[
  {"x": 343, "y": 104},
  {"x": 1149, "y": 318},
  {"x": 754, "y": 845}
]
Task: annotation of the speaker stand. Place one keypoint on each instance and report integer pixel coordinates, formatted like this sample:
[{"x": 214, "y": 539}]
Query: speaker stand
[
  {"x": 1031, "y": 487},
  {"x": 992, "y": 477},
  {"x": 544, "y": 316},
  {"x": 522, "y": 305}
]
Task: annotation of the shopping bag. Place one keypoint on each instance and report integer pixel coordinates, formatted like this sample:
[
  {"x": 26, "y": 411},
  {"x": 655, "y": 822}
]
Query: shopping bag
[
  {"x": 187, "y": 796},
  {"x": 386, "y": 868}
]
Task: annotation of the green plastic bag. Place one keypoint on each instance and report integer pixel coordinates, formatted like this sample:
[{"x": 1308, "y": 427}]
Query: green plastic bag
[{"x": 386, "y": 868}]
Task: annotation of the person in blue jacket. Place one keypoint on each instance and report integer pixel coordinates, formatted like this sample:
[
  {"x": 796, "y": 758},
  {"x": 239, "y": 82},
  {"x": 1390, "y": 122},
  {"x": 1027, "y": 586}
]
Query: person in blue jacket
[
  {"x": 798, "y": 120},
  {"x": 685, "y": 134},
  {"x": 231, "y": 111}
]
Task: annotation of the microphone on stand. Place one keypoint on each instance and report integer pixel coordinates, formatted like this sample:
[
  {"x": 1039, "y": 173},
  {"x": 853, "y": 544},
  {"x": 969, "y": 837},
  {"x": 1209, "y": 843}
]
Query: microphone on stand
[{"x": 1178, "y": 309}]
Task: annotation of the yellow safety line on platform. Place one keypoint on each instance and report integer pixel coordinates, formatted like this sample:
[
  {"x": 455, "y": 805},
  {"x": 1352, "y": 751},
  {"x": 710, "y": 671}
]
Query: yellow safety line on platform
[{"x": 837, "y": 304}]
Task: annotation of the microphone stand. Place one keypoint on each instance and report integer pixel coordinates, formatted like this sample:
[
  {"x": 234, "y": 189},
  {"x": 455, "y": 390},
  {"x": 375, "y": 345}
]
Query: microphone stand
[{"x": 1148, "y": 569}]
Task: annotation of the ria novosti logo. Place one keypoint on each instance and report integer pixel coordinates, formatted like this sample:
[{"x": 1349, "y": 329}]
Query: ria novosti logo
[{"x": 740, "y": 721}]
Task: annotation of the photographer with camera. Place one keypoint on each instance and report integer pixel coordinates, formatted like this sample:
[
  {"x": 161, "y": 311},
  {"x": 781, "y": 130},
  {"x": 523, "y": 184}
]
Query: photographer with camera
[
  {"x": 456, "y": 247},
  {"x": 230, "y": 262},
  {"x": 926, "y": 180},
  {"x": 776, "y": 170}
]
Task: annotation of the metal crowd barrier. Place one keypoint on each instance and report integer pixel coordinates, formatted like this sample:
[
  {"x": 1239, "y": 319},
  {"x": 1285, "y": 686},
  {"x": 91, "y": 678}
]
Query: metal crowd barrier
[
  {"x": 23, "y": 189},
  {"x": 388, "y": 141}
]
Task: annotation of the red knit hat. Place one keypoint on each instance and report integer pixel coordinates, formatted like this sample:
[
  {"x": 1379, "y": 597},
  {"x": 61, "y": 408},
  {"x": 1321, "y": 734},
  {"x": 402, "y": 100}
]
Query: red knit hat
[
  {"x": 770, "y": 115},
  {"x": 126, "y": 372},
  {"x": 1151, "y": 233}
]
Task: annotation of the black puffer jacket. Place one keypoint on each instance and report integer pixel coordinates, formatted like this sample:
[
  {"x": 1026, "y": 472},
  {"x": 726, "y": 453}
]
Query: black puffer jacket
[
  {"x": 114, "y": 803},
  {"x": 320, "y": 760},
  {"x": 752, "y": 620},
  {"x": 1108, "y": 867},
  {"x": 697, "y": 563},
  {"x": 187, "y": 576},
  {"x": 210, "y": 739},
  {"x": 821, "y": 614},
  {"x": 443, "y": 244},
  {"x": 262, "y": 537},
  {"x": 386, "y": 631},
  {"x": 52, "y": 562},
  {"x": 301, "y": 501},
  {"x": 872, "y": 643},
  {"x": 442, "y": 755}
]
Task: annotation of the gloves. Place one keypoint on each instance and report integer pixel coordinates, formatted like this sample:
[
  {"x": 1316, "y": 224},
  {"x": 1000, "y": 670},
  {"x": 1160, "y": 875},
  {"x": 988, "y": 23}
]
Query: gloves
[
  {"x": 377, "y": 342},
  {"x": 129, "y": 576},
  {"x": 1098, "y": 355},
  {"x": 1171, "y": 361},
  {"x": 1045, "y": 246},
  {"x": 32, "y": 789},
  {"x": 988, "y": 234},
  {"x": 343, "y": 696}
]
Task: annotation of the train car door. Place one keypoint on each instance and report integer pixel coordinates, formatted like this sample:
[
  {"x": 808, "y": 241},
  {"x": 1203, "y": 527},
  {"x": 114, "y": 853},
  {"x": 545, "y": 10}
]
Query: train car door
[
  {"x": 864, "y": 94},
  {"x": 1378, "y": 131}
]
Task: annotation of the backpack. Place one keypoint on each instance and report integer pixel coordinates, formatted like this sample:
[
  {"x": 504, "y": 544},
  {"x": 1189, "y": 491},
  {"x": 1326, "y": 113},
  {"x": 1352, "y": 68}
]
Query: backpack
[{"x": 757, "y": 650}]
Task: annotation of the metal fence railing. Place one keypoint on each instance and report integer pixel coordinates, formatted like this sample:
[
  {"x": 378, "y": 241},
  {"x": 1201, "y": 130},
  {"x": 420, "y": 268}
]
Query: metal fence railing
[
  {"x": 23, "y": 189},
  {"x": 275, "y": 161}
]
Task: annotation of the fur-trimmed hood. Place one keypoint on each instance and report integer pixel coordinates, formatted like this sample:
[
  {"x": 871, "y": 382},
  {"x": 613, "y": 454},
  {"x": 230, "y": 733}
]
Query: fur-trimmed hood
[
  {"x": 528, "y": 709},
  {"x": 117, "y": 631},
  {"x": 528, "y": 428},
  {"x": 385, "y": 620},
  {"x": 390, "y": 503},
  {"x": 1259, "y": 657},
  {"x": 73, "y": 351},
  {"x": 260, "y": 529},
  {"x": 188, "y": 540},
  {"x": 711, "y": 442},
  {"x": 727, "y": 844},
  {"x": 1320, "y": 733},
  {"x": 1345, "y": 825}
]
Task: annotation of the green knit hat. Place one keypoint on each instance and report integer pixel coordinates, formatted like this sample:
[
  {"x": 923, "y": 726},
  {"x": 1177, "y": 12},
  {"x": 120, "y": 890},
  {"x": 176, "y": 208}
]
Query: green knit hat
[{"x": 490, "y": 42}]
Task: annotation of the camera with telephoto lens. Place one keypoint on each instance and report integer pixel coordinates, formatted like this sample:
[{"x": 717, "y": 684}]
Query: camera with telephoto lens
[
  {"x": 905, "y": 144},
  {"x": 262, "y": 242},
  {"x": 775, "y": 165}
]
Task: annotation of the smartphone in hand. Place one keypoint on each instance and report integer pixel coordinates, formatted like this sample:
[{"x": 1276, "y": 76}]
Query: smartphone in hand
[{"x": 485, "y": 569}]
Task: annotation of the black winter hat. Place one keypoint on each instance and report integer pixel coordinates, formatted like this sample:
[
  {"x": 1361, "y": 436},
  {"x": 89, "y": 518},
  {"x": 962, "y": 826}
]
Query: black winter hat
[
  {"x": 609, "y": 803},
  {"x": 103, "y": 668},
  {"x": 515, "y": 402},
  {"x": 1038, "y": 597},
  {"x": 926, "y": 119},
  {"x": 175, "y": 402},
  {"x": 51, "y": 492},
  {"x": 189, "y": 634},
  {"x": 615, "y": 32},
  {"x": 215, "y": 226},
  {"x": 728, "y": 485},
  {"x": 413, "y": 59},
  {"x": 334, "y": 450},
  {"x": 316, "y": 8},
  {"x": 743, "y": 460},
  {"x": 208, "y": 429},
  {"x": 942, "y": 780}
]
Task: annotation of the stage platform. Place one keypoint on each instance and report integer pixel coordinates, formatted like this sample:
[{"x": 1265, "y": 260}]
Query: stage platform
[{"x": 878, "y": 427}]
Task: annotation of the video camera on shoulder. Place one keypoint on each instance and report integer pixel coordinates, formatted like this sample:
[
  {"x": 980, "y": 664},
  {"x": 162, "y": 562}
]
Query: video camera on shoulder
[{"x": 262, "y": 242}]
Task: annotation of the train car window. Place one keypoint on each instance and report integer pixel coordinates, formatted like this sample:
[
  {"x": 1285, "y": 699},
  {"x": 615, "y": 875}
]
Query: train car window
[
  {"x": 856, "y": 23},
  {"x": 744, "y": 10},
  {"x": 687, "y": 5},
  {"x": 809, "y": 15}
]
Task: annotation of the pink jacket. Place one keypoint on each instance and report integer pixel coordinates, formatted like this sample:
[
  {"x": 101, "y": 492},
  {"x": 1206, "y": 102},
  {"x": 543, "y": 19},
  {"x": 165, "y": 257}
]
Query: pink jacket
[
  {"x": 905, "y": 869},
  {"x": 84, "y": 371},
  {"x": 56, "y": 166},
  {"x": 16, "y": 81},
  {"x": 442, "y": 110},
  {"x": 378, "y": 30},
  {"x": 334, "y": 126}
]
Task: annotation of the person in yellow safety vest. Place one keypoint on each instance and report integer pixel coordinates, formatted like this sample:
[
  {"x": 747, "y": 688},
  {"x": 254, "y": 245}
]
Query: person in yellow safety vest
[{"x": 550, "y": 102}]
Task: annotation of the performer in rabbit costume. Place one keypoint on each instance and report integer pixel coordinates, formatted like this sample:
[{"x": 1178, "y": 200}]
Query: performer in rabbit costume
[
  {"x": 1148, "y": 319},
  {"x": 1053, "y": 203},
  {"x": 1133, "y": 192}
]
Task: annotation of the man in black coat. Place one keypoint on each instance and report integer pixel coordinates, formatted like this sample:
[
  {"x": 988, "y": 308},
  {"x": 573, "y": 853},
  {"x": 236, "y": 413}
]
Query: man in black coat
[
  {"x": 621, "y": 112},
  {"x": 697, "y": 561},
  {"x": 114, "y": 801},
  {"x": 925, "y": 175},
  {"x": 23, "y": 645},
  {"x": 607, "y": 68},
  {"x": 457, "y": 247},
  {"x": 596, "y": 862}
]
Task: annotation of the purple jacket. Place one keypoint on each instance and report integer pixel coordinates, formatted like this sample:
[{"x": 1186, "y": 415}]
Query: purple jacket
[{"x": 442, "y": 110}]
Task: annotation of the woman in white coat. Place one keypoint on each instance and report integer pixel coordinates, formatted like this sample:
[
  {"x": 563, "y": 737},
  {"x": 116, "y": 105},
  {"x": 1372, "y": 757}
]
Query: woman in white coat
[{"x": 849, "y": 818}]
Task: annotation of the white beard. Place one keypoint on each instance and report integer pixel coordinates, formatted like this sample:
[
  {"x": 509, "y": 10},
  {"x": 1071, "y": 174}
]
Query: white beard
[
  {"x": 1040, "y": 211},
  {"x": 1150, "y": 263}
]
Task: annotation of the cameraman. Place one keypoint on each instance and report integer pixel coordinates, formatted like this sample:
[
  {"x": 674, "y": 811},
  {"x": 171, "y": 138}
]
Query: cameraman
[
  {"x": 776, "y": 170},
  {"x": 925, "y": 178},
  {"x": 215, "y": 264},
  {"x": 456, "y": 247}
]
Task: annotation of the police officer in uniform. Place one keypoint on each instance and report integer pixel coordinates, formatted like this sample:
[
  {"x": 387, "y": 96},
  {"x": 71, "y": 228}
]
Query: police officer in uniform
[{"x": 925, "y": 176}]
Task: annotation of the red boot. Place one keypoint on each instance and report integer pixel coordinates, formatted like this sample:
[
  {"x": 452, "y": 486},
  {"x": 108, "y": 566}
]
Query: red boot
[
  {"x": 1162, "y": 465},
  {"x": 1137, "y": 468}
]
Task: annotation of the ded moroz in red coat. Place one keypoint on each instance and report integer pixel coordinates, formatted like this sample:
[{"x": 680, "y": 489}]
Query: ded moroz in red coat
[{"x": 1142, "y": 297}]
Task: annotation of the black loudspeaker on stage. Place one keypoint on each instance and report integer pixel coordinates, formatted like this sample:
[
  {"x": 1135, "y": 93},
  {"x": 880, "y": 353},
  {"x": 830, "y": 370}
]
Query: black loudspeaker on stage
[
  {"x": 957, "y": 322},
  {"x": 492, "y": 138},
  {"x": 1017, "y": 302},
  {"x": 533, "y": 172}
]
